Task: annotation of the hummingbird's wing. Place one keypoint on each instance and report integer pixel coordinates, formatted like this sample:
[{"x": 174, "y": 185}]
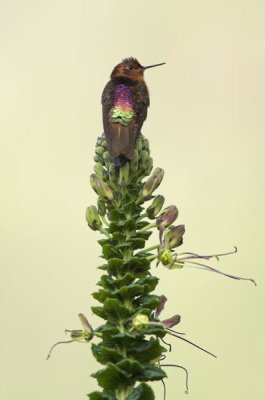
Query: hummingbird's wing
[
  {"x": 142, "y": 102},
  {"x": 122, "y": 127}
]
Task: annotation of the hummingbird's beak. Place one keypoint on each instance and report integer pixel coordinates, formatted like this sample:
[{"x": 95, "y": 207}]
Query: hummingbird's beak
[{"x": 151, "y": 66}]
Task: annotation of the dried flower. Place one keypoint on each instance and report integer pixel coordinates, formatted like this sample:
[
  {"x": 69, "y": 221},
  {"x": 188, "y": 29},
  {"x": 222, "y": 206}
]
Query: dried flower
[
  {"x": 101, "y": 188},
  {"x": 170, "y": 322},
  {"x": 167, "y": 217},
  {"x": 173, "y": 236},
  {"x": 152, "y": 183},
  {"x": 167, "y": 323}
]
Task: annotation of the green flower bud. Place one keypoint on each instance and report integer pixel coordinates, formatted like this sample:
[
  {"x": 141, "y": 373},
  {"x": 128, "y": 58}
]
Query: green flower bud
[
  {"x": 101, "y": 188},
  {"x": 167, "y": 217},
  {"x": 101, "y": 207},
  {"x": 144, "y": 157},
  {"x": 155, "y": 206},
  {"x": 144, "y": 162},
  {"x": 139, "y": 145},
  {"x": 145, "y": 144},
  {"x": 97, "y": 158},
  {"x": 124, "y": 175},
  {"x": 93, "y": 182},
  {"x": 107, "y": 159},
  {"x": 99, "y": 150},
  {"x": 134, "y": 162},
  {"x": 149, "y": 167},
  {"x": 140, "y": 321},
  {"x": 112, "y": 173},
  {"x": 93, "y": 219},
  {"x": 173, "y": 236},
  {"x": 152, "y": 182},
  {"x": 104, "y": 144},
  {"x": 99, "y": 170}
]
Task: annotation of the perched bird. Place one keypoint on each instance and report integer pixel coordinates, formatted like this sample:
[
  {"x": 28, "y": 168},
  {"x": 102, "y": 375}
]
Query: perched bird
[{"x": 125, "y": 100}]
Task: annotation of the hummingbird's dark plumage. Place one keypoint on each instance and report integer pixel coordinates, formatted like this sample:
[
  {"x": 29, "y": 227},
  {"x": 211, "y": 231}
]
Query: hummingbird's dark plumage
[{"x": 125, "y": 100}]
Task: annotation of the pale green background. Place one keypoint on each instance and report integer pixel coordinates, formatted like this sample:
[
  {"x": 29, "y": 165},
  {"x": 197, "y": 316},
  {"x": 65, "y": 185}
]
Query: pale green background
[{"x": 206, "y": 128}]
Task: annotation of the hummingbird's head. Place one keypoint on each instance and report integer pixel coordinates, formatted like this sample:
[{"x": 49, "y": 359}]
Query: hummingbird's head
[{"x": 130, "y": 68}]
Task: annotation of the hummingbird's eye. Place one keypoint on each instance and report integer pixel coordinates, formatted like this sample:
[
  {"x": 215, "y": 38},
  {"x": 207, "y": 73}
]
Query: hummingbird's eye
[{"x": 130, "y": 67}]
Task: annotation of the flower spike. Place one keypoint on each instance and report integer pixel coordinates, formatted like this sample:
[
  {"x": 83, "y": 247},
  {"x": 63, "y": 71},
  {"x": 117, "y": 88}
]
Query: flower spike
[{"x": 130, "y": 345}]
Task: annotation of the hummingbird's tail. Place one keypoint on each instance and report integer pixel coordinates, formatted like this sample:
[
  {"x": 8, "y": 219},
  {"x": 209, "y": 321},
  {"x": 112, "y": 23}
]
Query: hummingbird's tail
[{"x": 121, "y": 142}]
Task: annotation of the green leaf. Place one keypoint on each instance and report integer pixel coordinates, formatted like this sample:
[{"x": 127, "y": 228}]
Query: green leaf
[
  {"x": 131, "y": 291},
  {"x": 117, "y": 226},
  {"x": 131, "y": 224},
  {"x": 158, "y": 331},
  {"x": 136, "y": 265},
  {"x": 107, "y": 282},
  {"x": 101, "y": 295},
  {"x": 108, "y": 331},
  {"x": 103, "y": 267},
  {"x": 116, "y": 215},
  {"x": 126, "y": 339},
  {"x": 147, "y": 350},
  {"x": 102, "y": 242},
  {"x": 115, "y": 266},
  {"x": 110, "y": 377},
  {"x": 115, "y": 310},
  {"x": 114, "y": 227},
  {"x": 104, "y": 354},
  {"x": 152, "y": 373},
  {"x": 131, "y": 207},
  {"x": 151, "y": 301},
  {"x": 141, "y": 392},
  {"x": 149, "y": 283},
  {"x": 125, "y": 280},
  {"x": 131, "y": 367},
  {"x": 115, "y": 262},
  {"x": 137, "y": 243},
  {"x": 109, "y": 251},
  {"x": 144, "y": 235},
  {"x": 142, "y": 224},
  {"x": 99, "y": 312},
  {"x": 118, "y": 237},
  {"x": 101, "y": 396}
]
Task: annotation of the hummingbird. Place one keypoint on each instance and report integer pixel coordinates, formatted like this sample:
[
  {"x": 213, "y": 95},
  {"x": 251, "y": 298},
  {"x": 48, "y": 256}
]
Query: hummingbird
[{"x": 125, "y": 100}]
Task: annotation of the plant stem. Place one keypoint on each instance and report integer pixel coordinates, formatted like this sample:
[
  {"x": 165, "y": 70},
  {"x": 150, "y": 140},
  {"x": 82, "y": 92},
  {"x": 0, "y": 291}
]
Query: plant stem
[{"x": 148, "y": 249}]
